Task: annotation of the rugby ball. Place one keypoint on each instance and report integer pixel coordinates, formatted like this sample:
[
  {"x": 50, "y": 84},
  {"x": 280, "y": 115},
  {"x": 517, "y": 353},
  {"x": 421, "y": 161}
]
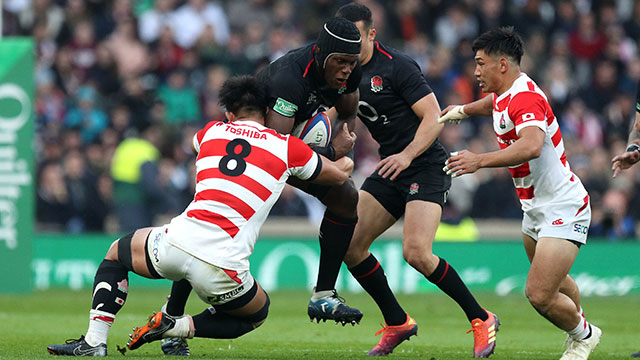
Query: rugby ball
[{"x": 315, "y": 131}]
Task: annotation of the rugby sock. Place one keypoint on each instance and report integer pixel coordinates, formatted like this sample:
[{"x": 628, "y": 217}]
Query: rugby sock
[
  {"x": 184, "y": 328},
  {"x": 177, "y": 301},
  {"x": 217, "y": 325},
  {"x": 371, "y": 277},
  {"x": 582, "y": 331},
  {"x": 110, "y": 288},
  {"x": 335, "y": 236},
  {"x": 447, "y": 279}
]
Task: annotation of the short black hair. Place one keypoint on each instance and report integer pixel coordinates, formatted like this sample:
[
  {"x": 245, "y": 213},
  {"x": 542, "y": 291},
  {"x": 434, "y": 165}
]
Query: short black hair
[
  {"x": 244, "y": 93},
  {"x": 502, "y": 41},
  {"x": 356, "y": 12}
]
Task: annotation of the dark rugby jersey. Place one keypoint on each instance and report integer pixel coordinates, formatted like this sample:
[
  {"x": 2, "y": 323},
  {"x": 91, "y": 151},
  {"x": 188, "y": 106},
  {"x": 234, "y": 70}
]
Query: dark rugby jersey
[
  {"x": 391, "y": 83},
  {"x": 296, "y": 88}
]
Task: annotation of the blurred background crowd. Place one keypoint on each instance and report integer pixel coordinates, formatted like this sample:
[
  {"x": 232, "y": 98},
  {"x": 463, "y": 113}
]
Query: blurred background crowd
[{"x": 122, "y": 86}]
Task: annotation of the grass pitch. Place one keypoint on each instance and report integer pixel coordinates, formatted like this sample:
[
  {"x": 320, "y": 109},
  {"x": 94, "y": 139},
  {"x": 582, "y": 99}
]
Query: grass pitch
[{"x": 28, "y": 323}]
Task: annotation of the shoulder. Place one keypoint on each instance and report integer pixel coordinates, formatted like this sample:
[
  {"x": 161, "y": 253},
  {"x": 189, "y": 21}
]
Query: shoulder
[
  {"x": 288, "y": 70},
  {"x": 394, "y": 56}
]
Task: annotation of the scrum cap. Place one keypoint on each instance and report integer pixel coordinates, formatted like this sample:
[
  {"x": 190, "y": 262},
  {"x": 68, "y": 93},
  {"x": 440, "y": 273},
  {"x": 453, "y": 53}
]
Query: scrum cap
[{"x": 338, "y": 36}]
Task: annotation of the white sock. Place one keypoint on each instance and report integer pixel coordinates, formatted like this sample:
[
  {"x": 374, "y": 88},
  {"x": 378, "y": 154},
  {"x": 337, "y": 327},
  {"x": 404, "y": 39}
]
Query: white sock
[
  {"x": 321, "y": 294},
  {"x": 99, "y": 324},
  {"x": 183, "y": 328},
  {"x": 581, "y": 331}
]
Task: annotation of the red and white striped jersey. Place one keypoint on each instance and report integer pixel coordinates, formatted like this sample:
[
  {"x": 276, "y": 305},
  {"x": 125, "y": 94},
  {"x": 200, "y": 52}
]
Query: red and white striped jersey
[
  {"x": 241, "y": 168},
  {"x": 547, "y": 178}
]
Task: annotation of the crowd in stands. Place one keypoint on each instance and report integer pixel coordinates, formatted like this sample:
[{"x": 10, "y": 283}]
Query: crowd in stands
[{"x": 122, "y": 86}]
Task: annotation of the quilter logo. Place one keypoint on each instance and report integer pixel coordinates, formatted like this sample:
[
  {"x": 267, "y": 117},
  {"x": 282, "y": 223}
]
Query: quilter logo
[{"x": 557, "y": 222}]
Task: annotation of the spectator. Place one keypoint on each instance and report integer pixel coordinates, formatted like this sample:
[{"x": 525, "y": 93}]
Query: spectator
[
  {"x": 52, "y": 199},
  {"x": 86, "y": 116},
  {"x": 190, "y": 20},
  {"x": 134, "y": 169},
  {"x": 88, "y": 209},
  {"x": 181, "y": 101},
  {"x": 130, "y": 55},
  {"x": 458, "y": 24},
  {"x": 587, "y": 42},
  {"x": 47, "y": 11},
  {"x": 612, "y": 221},
  {"x": 153, "y": 21}
]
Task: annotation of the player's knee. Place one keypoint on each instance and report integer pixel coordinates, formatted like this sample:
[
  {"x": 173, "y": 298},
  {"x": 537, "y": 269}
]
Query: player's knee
[
  {"x": 419, "y": 257},
  {"x": 112, "y": 253},
  {"x": 344, "y": 201},
  {"x": 354, "y": 256},
  {"x": 260, "y": 316},
  {"x": 416, "y": 259},
  {"x": 540, "y": 300},
  {"x": 357, "y": 252}
]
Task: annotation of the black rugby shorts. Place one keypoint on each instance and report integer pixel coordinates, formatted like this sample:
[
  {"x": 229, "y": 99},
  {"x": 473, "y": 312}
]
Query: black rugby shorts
[{"x": 426, "y": 182}]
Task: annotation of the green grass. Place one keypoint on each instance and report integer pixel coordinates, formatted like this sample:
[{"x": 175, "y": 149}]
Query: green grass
[{"x": 29, "y": 323}]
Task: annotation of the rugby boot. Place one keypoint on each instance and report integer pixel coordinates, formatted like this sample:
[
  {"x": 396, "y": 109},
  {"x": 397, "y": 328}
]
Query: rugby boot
[
  {"x": 174, "y": 346},
  {"x": 581, "y": 349},
  {"x": 484, "y": 335},
  {"x": 158, "y": 324},
  {"x": 393, "y": 335},
  {"x": 77, "y": 347},
  {"x": 330, "y": 306}
]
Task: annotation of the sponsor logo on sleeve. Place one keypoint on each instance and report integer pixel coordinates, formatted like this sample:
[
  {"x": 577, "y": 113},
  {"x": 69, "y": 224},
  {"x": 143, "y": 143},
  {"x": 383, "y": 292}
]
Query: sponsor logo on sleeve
[{"x": 285, "y": 108}]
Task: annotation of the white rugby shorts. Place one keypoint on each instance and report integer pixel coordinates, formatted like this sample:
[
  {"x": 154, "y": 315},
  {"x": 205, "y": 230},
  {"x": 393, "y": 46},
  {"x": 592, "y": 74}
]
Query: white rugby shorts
[
  {"x": 568, "y": 220},
  {"x": 214, "y": 285}
]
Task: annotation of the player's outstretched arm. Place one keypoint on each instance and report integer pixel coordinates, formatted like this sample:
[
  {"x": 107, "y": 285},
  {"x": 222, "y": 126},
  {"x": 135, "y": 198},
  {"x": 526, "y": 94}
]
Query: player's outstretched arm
[
  {"x": 528, "y": 147},
  {"x": 455, "y": 113},
  {"x": 632, "y": 154},
  {"x": 334, "y": 172}
]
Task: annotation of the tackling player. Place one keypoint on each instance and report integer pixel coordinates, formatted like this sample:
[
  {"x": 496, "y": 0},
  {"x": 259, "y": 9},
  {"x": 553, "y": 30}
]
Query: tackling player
[
  {"x": 401, "y": 112},
  {"x": 242, "y": 167},
  {"x": 554, "y": 201}
]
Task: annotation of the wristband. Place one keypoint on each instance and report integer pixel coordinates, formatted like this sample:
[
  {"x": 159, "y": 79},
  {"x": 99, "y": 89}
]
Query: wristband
[
  {"x": 327, "y": 151},
  {"x": 633, "y": 147}
]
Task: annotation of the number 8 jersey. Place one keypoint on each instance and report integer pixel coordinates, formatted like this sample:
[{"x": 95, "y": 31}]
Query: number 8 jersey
[{"x": 241, "y": 168}]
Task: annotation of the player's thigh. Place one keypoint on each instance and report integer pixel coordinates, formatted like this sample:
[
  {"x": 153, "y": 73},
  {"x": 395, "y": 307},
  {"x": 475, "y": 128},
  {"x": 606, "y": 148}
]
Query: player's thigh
[
  {"x": 341, "y": 200},
  {"x": 373, "y": 220},
  {"x": 421, "y": 220},
  {"x": 131, "y": 252},
  {"x": 255, "y": 302},
  {"x": 551, "y": 263},
  {"x": 529, "y": 246}
]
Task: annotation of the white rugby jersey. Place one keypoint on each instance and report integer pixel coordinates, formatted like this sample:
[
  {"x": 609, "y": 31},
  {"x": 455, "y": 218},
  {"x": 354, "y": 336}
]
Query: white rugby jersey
[
  {"x": 241, "y": 168},
  {"x": 545, "y": 179}
]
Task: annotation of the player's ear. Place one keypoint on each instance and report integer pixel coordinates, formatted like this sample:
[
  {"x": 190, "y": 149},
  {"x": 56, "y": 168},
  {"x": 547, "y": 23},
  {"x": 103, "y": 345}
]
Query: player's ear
[
  {"x": 504, "y": 64},
  {"x": 230, "y": 116},
  {"x": 372, "y": 34}
]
